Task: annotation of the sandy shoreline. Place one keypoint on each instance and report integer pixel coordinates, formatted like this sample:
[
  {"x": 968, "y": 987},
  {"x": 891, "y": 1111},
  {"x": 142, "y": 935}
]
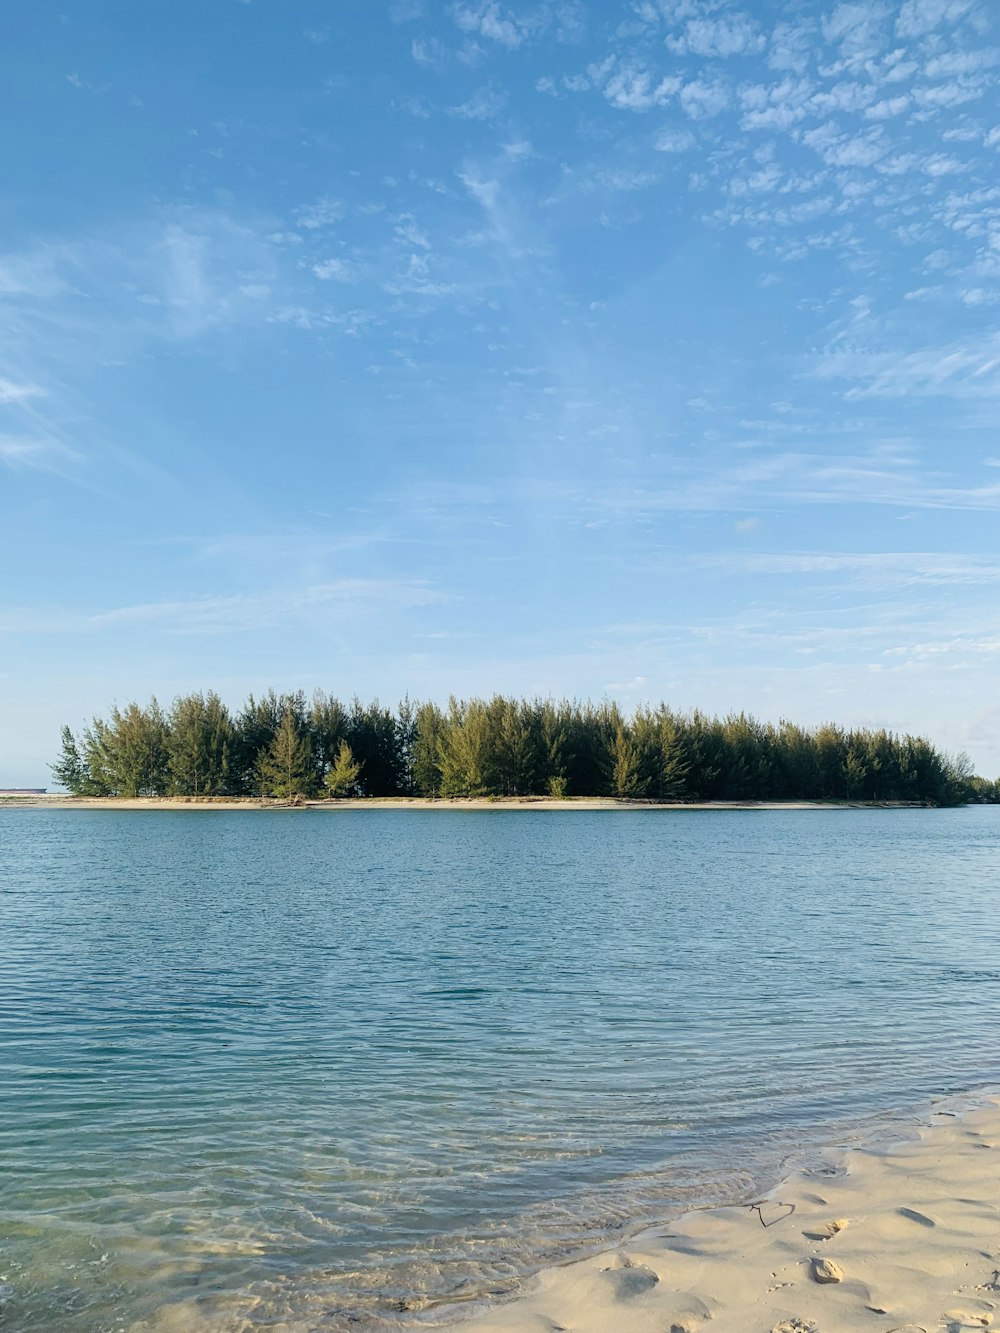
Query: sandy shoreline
[
  {"x": 57, "y": 802},
  {"x": 903, "y": 1238}
]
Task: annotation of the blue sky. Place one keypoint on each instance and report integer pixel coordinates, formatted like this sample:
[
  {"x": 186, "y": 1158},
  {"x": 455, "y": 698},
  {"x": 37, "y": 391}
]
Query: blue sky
[{"x": 643, "y": 349}]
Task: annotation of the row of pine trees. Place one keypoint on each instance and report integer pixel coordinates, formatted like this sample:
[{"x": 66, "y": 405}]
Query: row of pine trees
[{"x": 286, "y": 746}]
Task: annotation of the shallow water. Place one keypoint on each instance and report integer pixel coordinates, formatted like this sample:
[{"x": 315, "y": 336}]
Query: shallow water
[{"x": 302, "y": 1069}]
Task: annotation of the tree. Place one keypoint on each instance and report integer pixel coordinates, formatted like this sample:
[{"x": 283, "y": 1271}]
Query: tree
[
  {"x": 855, "y": 772},
  {"x": 464, "y": 757},
  {"x": 673, "y": 767},
  {"x": 253, "y": 732},
  {"x": 514, "y": 746},
  {"x": 327, "y": 723},
  {"x": 199, "y": 741},
  {"x": 283, "y": 769},
  {"x": 429, "y": 730},
  {"x": 127, "y": 755},
  {"x": 406, "y": 735},
  {"x": 627, "y": 778},
  {"x": 497, "y": 747},
  {"x": 69, "y": 769},
  {"x": 373, "y": 735},
  {"x": 342, "y": 779}
]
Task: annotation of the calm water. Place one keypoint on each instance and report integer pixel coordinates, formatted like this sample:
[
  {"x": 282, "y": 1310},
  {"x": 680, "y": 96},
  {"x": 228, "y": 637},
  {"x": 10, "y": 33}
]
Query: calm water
[{"x": 303, "y": 1070}]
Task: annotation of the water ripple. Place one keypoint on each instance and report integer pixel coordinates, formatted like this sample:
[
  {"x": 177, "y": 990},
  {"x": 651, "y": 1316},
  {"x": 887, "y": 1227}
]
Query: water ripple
[{"x": 261, "y": 1072}]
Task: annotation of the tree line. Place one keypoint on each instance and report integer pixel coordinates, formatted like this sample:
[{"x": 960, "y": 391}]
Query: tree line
[{"x": 285, "y": 745}]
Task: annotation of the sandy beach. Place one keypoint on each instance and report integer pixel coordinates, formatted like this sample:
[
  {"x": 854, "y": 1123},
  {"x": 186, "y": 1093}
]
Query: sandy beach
[
  {"x": 899, "y": 1239},
  {"x": 59, "y": 802}
]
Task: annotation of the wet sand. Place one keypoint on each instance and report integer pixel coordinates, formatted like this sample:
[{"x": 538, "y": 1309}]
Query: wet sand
[{"x": 898, "y": 1239}]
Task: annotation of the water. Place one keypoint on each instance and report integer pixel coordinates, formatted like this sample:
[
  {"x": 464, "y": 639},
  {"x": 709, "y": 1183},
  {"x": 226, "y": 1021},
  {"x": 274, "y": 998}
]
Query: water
[{"x": 300, "y": 1070}]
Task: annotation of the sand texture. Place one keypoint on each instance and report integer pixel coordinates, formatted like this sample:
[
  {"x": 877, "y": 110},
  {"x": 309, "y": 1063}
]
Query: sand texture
[{"x": 904, "y": 1238}]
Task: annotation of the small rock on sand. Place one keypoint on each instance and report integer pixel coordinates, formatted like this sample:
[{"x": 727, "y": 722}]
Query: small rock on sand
[
  {"x": 825, "y": 1270},
  {"x": 796, "y": 1326}
]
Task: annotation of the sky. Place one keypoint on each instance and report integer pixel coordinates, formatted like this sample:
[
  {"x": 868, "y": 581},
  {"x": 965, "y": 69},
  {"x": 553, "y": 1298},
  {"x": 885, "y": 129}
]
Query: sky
[{"x": 586, "y": 348}]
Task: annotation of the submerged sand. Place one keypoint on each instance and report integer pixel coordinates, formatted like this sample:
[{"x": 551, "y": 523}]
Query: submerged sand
[{"x": 904, "y": 1238}]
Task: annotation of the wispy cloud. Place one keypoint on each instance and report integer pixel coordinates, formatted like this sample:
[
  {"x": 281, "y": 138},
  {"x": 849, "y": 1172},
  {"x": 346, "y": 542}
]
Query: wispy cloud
[
  {"x": 887, "y": 570},
  {"x": 37, "y": 455},
  {"x": 239, "y": 612},
  {"x": 17, "y": 393}
]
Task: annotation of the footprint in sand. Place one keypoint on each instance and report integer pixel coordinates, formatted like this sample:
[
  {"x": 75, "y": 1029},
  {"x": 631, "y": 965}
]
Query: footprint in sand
[
  {"x": 912, "y": 1215},
  {"x": 631, "y": 1279},
  {"x": 958, "y": 1320},
  {"x": 827, "y": 1230},
  {"x": 691, "y": 1319}
]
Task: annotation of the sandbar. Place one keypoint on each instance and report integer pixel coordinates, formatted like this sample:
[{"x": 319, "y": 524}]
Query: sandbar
[{"x": 60, "y": 802}]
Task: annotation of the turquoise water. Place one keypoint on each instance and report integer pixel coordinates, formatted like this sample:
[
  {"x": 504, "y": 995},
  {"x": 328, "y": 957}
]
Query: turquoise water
[{"x": 300, "y": 1070}]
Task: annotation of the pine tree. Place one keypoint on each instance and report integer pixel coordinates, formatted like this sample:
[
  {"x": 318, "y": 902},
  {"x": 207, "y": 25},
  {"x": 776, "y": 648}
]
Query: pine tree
[
  {"x": 283, "y": 769},
  {"x": 69, "y": 769},
  {"x": 464, "y": 756},
  {"x": 198, "y": 745},
  {"x": 627, "y": 779},
  {"x": 342, "y": 779},
  {"x": 429, "y": 729}
]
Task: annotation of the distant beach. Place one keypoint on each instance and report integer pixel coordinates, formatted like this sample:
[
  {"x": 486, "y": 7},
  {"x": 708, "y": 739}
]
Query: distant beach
[{"x": 60, "y": 802}]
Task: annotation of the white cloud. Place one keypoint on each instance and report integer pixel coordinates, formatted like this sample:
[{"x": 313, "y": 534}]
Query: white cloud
[
  {"x": 335, "y": 270},
  {"x": 629, "y": 86},
  {"x": 409, "y": 232},
  {"x": 703, "y": 98},
  {"x": 792, "y": 47},
  {"x": 39, "y": 455},
  {"x": 430, "y": 52},
  {"x": 960, "y": 370},
  {"x": 484, "y": 104},
  {"x": 775, "y": 107},
  {"x": 889, "y": 569},
  {"x": 887, "y": 108},
  {"x": 232, "y": 613},
  {"x": 858, "y": 27},
  {"x": 489, "y": 20},
  {"x": 88, "y": 85},
  {"x": 953, "y": 63},
  {"x": 672, "y": 140},
  {"x": 10, "y": 392},
  {"x": 323, "y": 213},
  {"x": 733, "y": 35},
  {"x": 917, "y": 18},
  {"x": 624, "y": 178}
]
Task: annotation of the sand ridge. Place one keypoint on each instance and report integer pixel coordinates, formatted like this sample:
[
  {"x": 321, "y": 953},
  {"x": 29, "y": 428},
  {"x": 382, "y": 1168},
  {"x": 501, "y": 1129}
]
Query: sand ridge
[{"x": 898, "y": 1239}]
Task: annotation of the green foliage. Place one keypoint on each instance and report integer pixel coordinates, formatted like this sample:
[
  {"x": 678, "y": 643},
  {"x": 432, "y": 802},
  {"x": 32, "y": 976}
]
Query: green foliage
[
  {"x": 425, "y": 754},
  {"x": 284, "y": 769},
  {"x": 69, "y": 770},
  {"x": 127, "y": 754},
  {"x": 464, "y": 753},
  {"x": 342, "y": 778},
  {"x": 627, "y": 776},
  {"x": 280, "y": 745},
  {"x": 199, "y": 741}
]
